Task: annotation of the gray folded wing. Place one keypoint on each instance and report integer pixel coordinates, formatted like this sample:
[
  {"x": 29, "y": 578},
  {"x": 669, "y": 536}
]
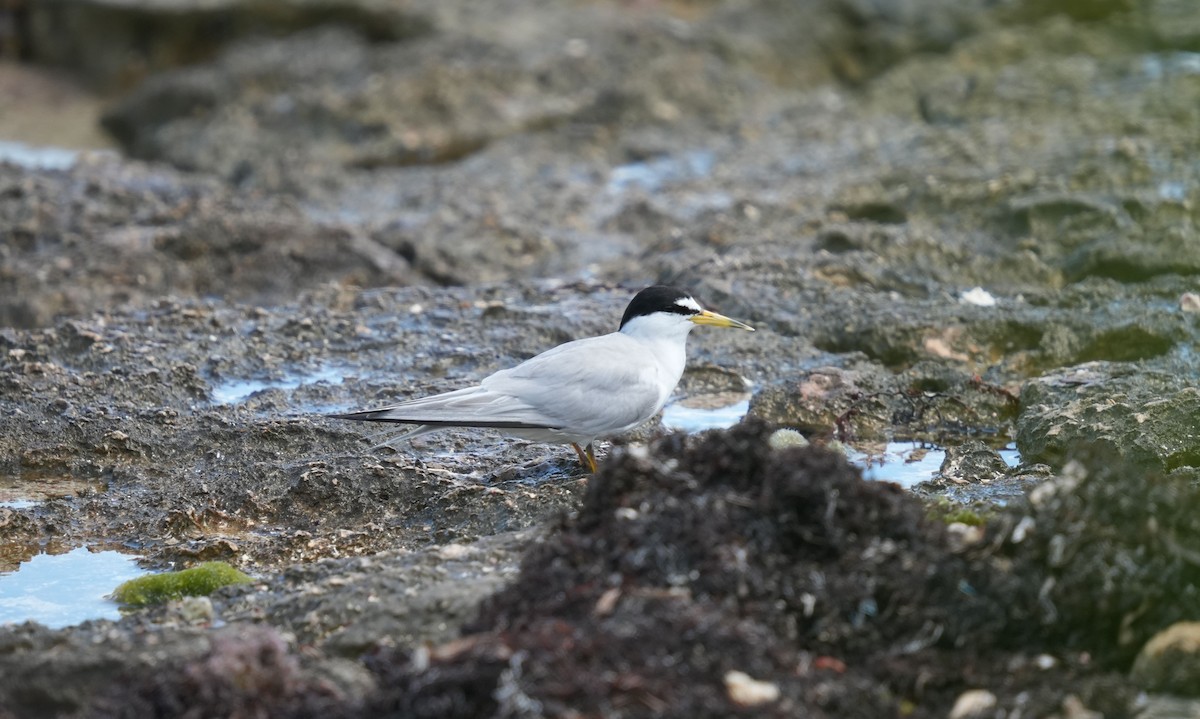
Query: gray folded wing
[
  {"x": 582, "y": 389},
  {"x": 470, "y": 407}
]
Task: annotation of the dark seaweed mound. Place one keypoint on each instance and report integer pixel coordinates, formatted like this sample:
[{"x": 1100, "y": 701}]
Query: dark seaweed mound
[
  {"x": 719, "y": 555},
  {"x": 705, "y": 557}
]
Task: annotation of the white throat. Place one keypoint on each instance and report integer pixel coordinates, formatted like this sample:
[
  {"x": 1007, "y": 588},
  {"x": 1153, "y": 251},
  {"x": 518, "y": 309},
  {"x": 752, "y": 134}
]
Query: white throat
[{"x": 665, "y": 335}]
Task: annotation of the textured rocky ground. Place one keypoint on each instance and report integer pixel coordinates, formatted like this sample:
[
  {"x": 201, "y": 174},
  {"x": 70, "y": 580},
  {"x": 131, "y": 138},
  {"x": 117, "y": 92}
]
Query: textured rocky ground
[{"x": 326, "y": 210}]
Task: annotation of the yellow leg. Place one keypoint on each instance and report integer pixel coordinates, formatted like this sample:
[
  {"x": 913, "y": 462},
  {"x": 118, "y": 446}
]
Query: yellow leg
[{"x": 588, "y": 458}]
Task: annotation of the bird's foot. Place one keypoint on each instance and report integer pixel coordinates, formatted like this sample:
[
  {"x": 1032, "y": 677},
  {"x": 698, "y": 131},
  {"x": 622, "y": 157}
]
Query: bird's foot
[{"x": 586, "y": 458}]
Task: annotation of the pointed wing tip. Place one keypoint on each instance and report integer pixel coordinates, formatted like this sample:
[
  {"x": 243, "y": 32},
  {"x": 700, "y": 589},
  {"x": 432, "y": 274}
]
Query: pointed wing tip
[{"x": 359, "y": 416}]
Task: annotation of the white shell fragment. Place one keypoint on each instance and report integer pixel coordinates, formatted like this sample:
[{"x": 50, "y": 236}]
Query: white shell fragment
[
  {"x": 747, "y": 691},
  {"x": 977, "y": 296}
]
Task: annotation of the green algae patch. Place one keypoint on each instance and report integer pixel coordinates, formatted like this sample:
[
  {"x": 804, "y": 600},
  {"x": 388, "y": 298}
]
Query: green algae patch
[
  {"x": 948, "y": 511},
  {"x": 198, "y": 581}
]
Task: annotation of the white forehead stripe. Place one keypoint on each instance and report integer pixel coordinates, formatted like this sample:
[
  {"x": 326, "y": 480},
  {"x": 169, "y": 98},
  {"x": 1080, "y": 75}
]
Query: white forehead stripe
[{"x": 689, "y": 303}]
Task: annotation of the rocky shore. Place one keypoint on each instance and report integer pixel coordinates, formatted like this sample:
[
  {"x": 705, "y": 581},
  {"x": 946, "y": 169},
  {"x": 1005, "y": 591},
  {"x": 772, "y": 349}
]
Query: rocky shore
[{"x": 970, "y": 224}]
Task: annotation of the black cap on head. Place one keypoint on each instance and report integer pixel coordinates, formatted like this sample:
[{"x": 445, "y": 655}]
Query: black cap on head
[{"x": 659, "y": 298}]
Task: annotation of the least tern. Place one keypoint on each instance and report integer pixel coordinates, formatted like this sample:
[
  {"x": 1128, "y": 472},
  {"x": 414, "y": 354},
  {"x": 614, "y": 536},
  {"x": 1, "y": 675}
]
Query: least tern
[{"x": 579, "y": 391}]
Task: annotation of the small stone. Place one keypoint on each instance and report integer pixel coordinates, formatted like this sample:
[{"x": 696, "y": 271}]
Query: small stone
[
  {"x": 961, "y": 535},
  {"x": 972, "y": 462},
  {"x": 1189, "y": 302},
  {"x": 1170, "y": 661},
  {"x": 196, "y": 610},
  {"x": 973, "y": 703},
  {"x": 785, "y": 438},
  {"x": 977, "y": 296},
  {"x": 576, "y": 48},
  {"x": 455, "y": 550},
  {"x": 1074, "y": 708},
  {"x": 607, "y": 602},
  {"x": 1022, "y": 530},
  {"x": 748, "y": 692}
]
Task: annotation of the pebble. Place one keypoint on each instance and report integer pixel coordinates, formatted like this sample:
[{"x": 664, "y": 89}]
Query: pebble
[
  {"x": 747, "y": 691},
  {"x": 977, "y": 296},
  {"x": 972, "y": 703},
  {"x": 962, "y": 535},
  {"x": 1170, "y": 661},
  {"x": 196, "y": 610},
  {"x": 785, "y": 438}
]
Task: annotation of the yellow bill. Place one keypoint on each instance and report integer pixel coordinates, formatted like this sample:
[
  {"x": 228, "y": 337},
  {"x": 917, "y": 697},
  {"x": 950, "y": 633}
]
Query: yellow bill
[{"x": 713, "y": 319}]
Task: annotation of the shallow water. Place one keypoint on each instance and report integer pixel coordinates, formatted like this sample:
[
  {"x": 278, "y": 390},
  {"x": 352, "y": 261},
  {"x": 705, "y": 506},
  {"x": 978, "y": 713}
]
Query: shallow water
[
  {"x": 35, "y": 157},
  {"x": 1156, "y": 66},
  {"x": 905, "y": 463},
  {"x": 65, "y": 589},
  {"x": 910, "y": 463},
  {"x": 686, "y": 417},
  {"x": 650, "y": 175},
  {"x": 233, "y": 391},
  {"x": 29, "y": 489}
]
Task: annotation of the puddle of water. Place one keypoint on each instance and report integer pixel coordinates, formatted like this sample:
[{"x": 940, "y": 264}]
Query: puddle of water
[
  {"x": 1173, "y": 190},
  {"x": 65, "y": 589},
  {"x": 37, "y": 158},
  {"x": 28, "y": 490},
  {"x": 652, "y": 174},
  {"x": 1010, "y": 455},
  {"x": 905, "y": 463},
  {"x": 910, "y": 463},
  {"x": 1155, "y": 66},
  {"x": 696, "y": 415},
  {"x": 232, "y": 391}
]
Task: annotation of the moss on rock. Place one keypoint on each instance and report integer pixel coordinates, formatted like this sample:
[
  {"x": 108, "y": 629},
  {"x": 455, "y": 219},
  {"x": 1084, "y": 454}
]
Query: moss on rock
[{"x": 198, "y": 581}]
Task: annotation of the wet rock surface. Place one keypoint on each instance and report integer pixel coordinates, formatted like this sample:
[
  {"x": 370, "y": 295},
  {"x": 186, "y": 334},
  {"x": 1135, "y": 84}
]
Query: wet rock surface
[
  {"x": 1149, "y": 417},
  {"x": 114, "y": 45},
  {"x": 950, "y": 223},
  {"x": 110, "y": 233},
  {"x": 927, "y": 401}
]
